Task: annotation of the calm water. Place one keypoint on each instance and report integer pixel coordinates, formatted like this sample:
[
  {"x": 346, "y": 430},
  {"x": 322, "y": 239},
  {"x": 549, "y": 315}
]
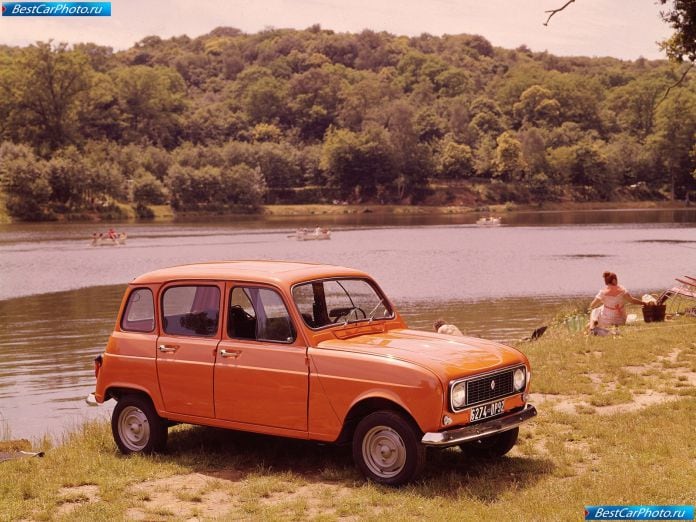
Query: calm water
[{"x": 59, "y": 296}]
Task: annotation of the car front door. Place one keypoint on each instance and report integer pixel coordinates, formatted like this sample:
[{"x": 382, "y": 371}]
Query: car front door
[
  {"x": 261, "y": 371},
  {"x": 186, "y": 346}
]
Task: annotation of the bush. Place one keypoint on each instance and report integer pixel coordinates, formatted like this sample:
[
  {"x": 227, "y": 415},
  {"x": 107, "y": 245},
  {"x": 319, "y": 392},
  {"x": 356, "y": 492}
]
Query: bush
[
  {"x": 26, "y": 181},
  {"x": 214, "y": 189},
  {"x": 144, "y": 212},
  {"x": 147, "y": 189}
]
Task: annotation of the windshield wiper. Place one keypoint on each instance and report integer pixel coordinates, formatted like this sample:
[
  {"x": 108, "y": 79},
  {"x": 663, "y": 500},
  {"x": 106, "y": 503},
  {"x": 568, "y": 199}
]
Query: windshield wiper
[{"x": 371, "y": 315}]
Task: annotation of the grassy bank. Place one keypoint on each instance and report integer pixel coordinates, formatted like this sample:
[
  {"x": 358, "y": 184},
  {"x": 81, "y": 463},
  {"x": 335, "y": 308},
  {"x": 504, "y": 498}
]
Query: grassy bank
[
  {"x": 305, "y": 210},
  {"x": 615, "y": 426}
]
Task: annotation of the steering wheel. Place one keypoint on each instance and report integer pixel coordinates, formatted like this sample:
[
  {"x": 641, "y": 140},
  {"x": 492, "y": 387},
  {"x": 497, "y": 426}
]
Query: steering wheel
[
  {"x": 241, "y": 311},
  {"x": 348, "y": 311}
]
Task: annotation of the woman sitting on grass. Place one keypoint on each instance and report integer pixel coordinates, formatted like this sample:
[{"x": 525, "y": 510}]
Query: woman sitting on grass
[{"x": 608, "y": 307}]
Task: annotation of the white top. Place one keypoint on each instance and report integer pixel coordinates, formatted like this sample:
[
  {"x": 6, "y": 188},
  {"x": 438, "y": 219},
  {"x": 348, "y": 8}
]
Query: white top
[{"x": 449, "y": 329}]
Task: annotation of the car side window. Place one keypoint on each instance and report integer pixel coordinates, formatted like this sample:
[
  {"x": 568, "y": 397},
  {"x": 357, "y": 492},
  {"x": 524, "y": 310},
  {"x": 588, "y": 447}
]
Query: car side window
[
  {"x": 191, "y": 310},
  {"x": 259, "y": 314},
  {"x": 139, "y": 315}
]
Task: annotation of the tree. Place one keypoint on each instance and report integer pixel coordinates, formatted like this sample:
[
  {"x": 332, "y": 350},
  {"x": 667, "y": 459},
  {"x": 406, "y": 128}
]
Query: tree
[
  {"x": 69, "y": 179},
  {"x": 265, "y": 100},
  {"x": 681, "y": 17},
  {"x": 537, "y": 106},
  {"x": 455, "y": 161},
  {"x": 508, "y": 162},
  {"x": 675, "y": 127},
  {"x": 148, "y": 190},
  {"x": 26, "y": 182},
  {"x": 583, "y": 164},
  {"x": 634, "y": 104},
  {"x": 211, "y": 188},
  {"x": 151, "y": 100},
  {"x": 487, "y": 118},
  {"x": 48, "y": 83},
  {"x": 533, "y": 150},
  {"x": 314, "y": 99},
  {"x": 356, "y": 163}
]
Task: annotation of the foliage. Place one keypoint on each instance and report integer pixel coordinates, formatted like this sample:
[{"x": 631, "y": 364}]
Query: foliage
[
  {"x": 508, "y": 163},
  {"x": 148, "y": 189},
  {"x": 211, "y": 188},
  {"x": 372, "y": 115},
  {"x": 681, "y": 16},
  {"x": 26, "y": 182},
  {"x": 455, "y": 160}
]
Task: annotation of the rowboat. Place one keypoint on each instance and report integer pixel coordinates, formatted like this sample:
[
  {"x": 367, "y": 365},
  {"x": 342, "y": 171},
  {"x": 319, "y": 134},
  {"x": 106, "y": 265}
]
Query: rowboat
[
  {"x": 311, "y": 235},
  {"x": 103, "y": 240},
  {"x": 488, "y": 221}
]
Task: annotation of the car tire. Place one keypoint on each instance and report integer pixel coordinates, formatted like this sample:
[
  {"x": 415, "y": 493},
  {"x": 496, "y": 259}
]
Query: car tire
[
  {"x": 491, "y": 447},
  {"x": 387, "y": 448},
  {"x": 136, "y": 426}
]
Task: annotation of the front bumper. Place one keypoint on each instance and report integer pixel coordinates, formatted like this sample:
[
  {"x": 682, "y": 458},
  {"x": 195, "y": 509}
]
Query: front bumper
[
  {"x": 443, "y": 439},
  {"x": 91, "y": 400}
]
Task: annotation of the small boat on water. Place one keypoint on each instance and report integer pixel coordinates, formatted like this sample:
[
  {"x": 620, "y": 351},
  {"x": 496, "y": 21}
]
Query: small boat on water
[
  {"x": 488, "y": 221},
  {"x": 302, "y": 234},
  {"x": 108, "y": 239}
]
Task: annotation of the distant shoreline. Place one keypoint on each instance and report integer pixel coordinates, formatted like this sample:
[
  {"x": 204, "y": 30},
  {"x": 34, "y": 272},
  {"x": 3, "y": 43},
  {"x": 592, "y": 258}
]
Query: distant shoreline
[
  {"x": 164, "y": 213},
  {"x": 298, "y": 210}
]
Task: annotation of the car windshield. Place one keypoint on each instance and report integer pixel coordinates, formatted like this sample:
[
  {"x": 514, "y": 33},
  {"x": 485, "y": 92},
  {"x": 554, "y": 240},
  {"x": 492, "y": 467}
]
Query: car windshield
[{"x": 340, "y": 301}]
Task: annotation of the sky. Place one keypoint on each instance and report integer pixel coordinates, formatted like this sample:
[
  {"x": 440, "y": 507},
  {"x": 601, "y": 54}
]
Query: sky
[{"x": 626, "y": 29}]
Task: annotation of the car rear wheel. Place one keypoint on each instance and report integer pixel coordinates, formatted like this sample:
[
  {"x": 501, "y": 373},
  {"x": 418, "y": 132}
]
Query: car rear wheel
[
  {"x": 493, "y": 446},
  {"x": 136, "y": 426},
  {"x": 387, "y": 448}
]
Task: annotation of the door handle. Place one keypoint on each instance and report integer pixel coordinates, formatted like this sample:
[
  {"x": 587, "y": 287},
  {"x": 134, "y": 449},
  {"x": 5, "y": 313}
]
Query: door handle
[
  {"x": 168, "y": 347},
  {"x": 230, "y": 353}
]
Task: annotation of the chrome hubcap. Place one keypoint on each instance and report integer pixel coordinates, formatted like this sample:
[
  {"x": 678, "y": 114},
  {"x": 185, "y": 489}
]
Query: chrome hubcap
[
  {"x": 133, "y": 428},
  {"x": 384, "y": 451}
]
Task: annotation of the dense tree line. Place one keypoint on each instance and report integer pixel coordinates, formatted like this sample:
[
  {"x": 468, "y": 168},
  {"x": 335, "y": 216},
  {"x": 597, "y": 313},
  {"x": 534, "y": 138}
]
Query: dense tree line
[{"x": 230, "y": 120}]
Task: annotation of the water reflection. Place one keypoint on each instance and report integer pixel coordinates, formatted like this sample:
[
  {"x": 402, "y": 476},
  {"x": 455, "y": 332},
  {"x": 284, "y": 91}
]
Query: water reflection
[{"x": 47, "y": 343}]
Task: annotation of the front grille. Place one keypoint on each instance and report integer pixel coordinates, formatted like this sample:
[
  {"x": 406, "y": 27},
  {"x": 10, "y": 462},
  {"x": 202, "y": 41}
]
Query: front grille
[{"x": 480, "y": 390}]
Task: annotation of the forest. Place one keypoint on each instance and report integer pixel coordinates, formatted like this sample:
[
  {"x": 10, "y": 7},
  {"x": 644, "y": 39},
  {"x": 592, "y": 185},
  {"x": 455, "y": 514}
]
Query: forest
[{"x": 229, "y": 121}]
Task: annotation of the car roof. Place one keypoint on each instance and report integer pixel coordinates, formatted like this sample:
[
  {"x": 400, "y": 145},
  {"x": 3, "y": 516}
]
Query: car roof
[{"x": 274, "y": 272}]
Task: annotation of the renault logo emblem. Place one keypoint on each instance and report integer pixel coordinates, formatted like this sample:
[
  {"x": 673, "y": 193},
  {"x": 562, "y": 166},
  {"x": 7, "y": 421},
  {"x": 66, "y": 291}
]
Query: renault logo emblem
[{"x": 492, "y": 385}]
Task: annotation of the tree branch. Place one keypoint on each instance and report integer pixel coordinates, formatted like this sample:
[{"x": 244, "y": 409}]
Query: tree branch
[
  {"x": 676, "y": 84},
  {"x": 554, "y": 11}
]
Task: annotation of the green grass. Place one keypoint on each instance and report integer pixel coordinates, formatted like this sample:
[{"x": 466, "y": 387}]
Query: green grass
[{"x": 564, "y": 460}]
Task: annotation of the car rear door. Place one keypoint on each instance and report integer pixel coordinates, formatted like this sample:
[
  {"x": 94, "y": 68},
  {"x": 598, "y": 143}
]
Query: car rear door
[
  {"x": 186, "y": 347},
  {"x": 261, "y": 371}
]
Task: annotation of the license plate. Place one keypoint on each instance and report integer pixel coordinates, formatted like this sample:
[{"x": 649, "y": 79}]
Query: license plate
[{"x": 487, "y": 410}]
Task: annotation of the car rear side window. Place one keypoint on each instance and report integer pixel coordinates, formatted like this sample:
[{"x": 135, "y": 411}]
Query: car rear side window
[
  {"x": 259, "y": 314},
  {"x": 139, "y": 315},
  {"x": 191, "y": 310}
]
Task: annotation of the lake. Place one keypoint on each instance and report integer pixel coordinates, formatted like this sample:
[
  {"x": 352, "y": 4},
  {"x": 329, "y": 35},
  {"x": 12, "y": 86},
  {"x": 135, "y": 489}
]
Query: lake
[{"x": 59, "y": 296}]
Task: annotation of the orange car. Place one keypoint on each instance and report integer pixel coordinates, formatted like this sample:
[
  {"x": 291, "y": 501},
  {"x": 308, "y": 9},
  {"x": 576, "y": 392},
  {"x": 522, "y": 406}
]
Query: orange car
[{"x": 307, "y": 351}]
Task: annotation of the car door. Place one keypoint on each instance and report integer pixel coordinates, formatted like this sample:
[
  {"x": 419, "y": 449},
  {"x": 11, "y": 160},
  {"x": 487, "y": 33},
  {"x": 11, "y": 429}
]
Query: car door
[
  {"x": 187, "y": 344},
  {"x": 261, "y": 371}
]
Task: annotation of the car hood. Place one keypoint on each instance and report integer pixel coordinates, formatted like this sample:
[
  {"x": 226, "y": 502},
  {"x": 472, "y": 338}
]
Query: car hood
[{"x": 447, "y": 355}]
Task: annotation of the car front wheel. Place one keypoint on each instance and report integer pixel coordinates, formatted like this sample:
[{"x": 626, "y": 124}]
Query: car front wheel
[
  {"x": 136, "y": 426},
  {"x": 493, "y": 446},
  {"x": 387, "y": 448}
]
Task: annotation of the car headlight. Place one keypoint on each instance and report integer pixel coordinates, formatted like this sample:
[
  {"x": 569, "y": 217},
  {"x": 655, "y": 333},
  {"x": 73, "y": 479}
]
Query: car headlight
[
  {"x": 458, "y": 395},
  {"x": 519, "y": 379}
]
